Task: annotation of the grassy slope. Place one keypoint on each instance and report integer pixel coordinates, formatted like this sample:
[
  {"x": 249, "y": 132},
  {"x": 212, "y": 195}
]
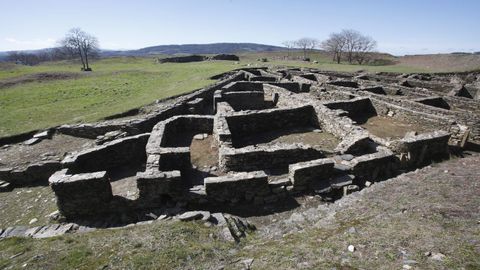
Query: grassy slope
[
  {"x": 115, "y": 86},
  {"x": 395, "y": 222}
]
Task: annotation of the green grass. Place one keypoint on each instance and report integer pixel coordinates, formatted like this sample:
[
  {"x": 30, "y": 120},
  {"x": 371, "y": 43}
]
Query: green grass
[
  {"x": 22, "y": 205},
  {"x": 162, "y": 245},
  {"x": 116, "y": 85}
]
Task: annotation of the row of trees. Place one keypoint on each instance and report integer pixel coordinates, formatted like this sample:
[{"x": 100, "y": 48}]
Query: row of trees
[
  {"x": 34, "y": 58},
  {"x": 349, "y": 45},
  {"x": 75, "y": 44}
]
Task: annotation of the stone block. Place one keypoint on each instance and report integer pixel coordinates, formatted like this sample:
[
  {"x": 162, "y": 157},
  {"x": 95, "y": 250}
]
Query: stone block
[
  {"x": 85, "y": 194},
  {"x": 236, "y": 186},
  {"x": 305, "y": 173},
  {"x": 152, "y": 185}
]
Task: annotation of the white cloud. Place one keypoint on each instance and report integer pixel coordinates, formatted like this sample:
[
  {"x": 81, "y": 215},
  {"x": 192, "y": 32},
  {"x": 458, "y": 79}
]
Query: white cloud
[{"x": 16, "y": 44}]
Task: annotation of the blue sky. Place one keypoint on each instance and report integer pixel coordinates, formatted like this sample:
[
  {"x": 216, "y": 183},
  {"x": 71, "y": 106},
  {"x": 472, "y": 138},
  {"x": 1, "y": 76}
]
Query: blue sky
[{"x": 400, "y": 27}]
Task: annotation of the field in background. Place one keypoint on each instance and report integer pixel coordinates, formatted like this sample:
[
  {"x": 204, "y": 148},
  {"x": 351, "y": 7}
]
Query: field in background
[
  {"x": 405, "y": 64},
  {"x": 58, "y": 93},
  {"x": 62, "y": 94}
]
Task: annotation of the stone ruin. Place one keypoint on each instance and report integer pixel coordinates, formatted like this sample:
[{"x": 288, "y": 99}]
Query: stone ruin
[{"x": 257, "y": 137}]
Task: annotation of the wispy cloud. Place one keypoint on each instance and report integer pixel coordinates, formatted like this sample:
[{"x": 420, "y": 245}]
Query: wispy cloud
[{"x": 17, "y": 44}]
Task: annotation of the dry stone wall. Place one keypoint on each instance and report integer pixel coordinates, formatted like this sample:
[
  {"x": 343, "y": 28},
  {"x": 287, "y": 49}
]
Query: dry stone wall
[{"x": 242, "y": 172}]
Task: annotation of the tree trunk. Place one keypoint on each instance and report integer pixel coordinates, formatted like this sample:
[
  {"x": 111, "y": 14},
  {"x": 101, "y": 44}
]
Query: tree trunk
[
  {"x": 81, "y": 57},
  {"x": 86, "y": 60}
]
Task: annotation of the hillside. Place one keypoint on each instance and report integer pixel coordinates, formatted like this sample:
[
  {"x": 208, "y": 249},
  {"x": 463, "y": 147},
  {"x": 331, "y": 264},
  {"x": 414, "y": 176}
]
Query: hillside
[
  {"x": 213, "y": 48},
  {"x": 445, "y": 62}
]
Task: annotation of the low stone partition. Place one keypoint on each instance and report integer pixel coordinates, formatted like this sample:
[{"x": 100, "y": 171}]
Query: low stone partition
[
  {"x": 169, "y": 158},
  {"x": 33, "y": 174},
  {"x": 154, "y": 185},
  {"x": 263, "y": 79},
  {"x": 373, "y": 167},
  {"x": 221, "y": 132},
  {"x": 165, "y": 151},
  {"x": 427, "y": 116},
  {"x": 356, "y": 143},
  {"x": 81, "y": 195},
  {"x": 244, "y": 186},
  {"x": 294, "y": 87},
  {"x": 418, "y": 150},
  {"x": 335, "y": 121},
  {"x": 304, "y": 174},
  {"x": 244, "y": 100},
  {"x": 472, "y": 90},
  {"x": 186, "y": 125},
  {"x": 438, "y": 102},
  {"x": 374, "y": 89},
  {"x": 243, "y": 86},
  {"x": 125, "y": 151},
  {"x": 356, "y": 106},
  {"x": 252, "y": 158},
  {"x": 344, "y": 83},
  {"x": 243, "y": 124}
]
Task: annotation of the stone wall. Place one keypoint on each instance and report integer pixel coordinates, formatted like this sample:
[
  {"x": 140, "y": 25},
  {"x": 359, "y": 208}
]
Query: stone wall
[
  {"x": 373, "y": 167},
  {"x": 294, "y": 87},
  {"x": 356, "y": 106},
  {"x": 221, "y": 132},
  {"x": 438, "y": 102},
  {"x": 164, "y": 152},
  {"x": 237, "y": 187},
  {"x": 183, "y": 59},
  {"x": 81, "y": 195},
  {"x": 417, "y": 150},
  {"x": 153, "y": 186},
  {"x": 242, "y": 124},
  {"x": 183, "y": 125},
  {"x": 252, "y": 158},
  {"x": 121, "y": 152},
  {"x": 245, "y": 100},
  {"x": 304, "y": 174},
  {"x": 33, "y": 174},
  {"x": 242, "y": 86}
]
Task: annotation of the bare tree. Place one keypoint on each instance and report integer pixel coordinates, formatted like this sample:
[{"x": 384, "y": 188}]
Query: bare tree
[
  {"x": 365, "y": 46},
  {"x": 352, "y": 38},
  {"x": 306, "y": 44},
  {"x": 77, "y": 42},
  {"x": 289, "y": 44},
  {"x": 335, "y": 45},
  {"x": 350, "y": 43},
  {"x": 25, "y": 58}
]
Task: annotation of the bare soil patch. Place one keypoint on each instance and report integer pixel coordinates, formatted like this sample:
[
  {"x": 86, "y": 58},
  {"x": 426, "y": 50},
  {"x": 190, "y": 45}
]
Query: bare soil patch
[
  {"x": 204, "y": 153},
  {"x": 442, "y": 62},
  {"x": 38, "y": 77},
  {"x": 22, "y": 205},
  {"x": 18, "y": 155},
  {"x": 388, "y": 127},
  {"x": 320, "y": 139}
]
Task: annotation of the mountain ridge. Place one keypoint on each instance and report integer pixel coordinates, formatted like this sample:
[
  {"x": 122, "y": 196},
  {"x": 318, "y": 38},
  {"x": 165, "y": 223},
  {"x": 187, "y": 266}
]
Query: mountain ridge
[{"x": 210, "y": 48}]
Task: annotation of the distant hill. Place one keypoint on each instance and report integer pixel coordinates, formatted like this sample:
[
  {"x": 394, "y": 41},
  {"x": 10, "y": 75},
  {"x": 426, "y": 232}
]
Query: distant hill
[
  {"x": 213, "y": 48},
  {"x": 3, "y": 55}
]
